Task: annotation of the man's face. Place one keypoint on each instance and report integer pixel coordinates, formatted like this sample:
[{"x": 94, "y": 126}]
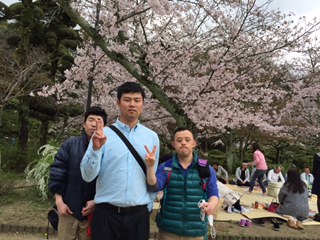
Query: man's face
[
  {"x": 184, "y": 143},
  {"x": 215, "y": 166},
  {"x": 130, "y": 105},
  {"x": 307, "y": 170},
  {"x": 90, "y": 125}
]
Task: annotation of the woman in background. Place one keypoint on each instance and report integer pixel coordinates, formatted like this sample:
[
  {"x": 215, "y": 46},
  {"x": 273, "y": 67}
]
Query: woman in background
[
  {"x": 293, "y": 198},
  {"x": 261, "y": 168}
]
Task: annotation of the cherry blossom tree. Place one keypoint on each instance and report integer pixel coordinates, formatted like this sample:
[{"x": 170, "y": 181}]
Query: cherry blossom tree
[
  {"x": 301, "y": 114},
  {"x": 211, "y": 65}
]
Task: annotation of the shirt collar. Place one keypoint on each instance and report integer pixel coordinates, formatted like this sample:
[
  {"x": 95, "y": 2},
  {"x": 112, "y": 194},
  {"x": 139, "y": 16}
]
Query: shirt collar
[{"x": 124, "y": 126}]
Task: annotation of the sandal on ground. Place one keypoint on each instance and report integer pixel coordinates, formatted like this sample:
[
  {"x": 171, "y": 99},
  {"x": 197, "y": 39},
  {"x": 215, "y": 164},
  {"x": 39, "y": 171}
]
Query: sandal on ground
[{"x": 292, "y": 224}]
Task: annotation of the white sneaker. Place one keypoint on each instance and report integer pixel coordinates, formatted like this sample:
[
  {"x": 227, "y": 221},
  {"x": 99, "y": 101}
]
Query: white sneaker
[
  {"x": 236, "y": 210},
  {"x": 244, "y": 209},
  {"x": 229, "y": 209}
]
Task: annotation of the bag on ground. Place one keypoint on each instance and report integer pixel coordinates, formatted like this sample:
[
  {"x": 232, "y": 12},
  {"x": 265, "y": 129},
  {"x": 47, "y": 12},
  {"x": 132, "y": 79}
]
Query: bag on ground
[{"x": 53, "y": 217}]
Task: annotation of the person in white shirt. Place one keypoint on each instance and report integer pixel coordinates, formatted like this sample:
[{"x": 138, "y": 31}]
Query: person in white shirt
[
  {"x": 243, "y": 175},
  {"x": 275, "y": 175},
  {"x": 222, "y": 174},
  {"x": 308, "y": 178}
]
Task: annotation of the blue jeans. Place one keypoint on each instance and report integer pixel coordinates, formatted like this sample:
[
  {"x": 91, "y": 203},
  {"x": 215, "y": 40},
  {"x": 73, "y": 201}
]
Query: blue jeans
[{"x": 258, "y": 174}]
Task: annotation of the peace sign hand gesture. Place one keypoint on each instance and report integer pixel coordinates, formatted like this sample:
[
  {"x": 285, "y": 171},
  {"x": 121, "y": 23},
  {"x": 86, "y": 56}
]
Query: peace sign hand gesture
[
  {"x": 150, "y": 161},
  {"x": 151, "y": 156},
  {"x": 98, "y": 137}
]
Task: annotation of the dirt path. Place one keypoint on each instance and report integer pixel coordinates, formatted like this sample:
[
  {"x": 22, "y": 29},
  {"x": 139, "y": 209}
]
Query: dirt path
[{"x": 24, "y": 236}]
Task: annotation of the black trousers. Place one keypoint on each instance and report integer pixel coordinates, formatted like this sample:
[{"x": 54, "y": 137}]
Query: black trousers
[
  {"x": 239, "y": 183},
  {"x": 113, "y": 223}
]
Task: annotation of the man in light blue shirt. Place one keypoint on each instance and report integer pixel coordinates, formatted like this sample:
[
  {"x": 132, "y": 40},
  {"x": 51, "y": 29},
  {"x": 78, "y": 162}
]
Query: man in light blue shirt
[{"x": 122, "y": 188}]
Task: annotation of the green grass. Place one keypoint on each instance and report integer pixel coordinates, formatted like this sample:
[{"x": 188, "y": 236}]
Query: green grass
[{"x": 21, "y": 203}]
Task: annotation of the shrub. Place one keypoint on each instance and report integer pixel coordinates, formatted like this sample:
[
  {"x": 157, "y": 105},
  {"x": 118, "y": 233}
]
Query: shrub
[{"x": 39, "y": 169}]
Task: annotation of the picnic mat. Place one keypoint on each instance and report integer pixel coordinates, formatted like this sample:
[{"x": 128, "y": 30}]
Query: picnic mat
[
  {"x": 261, "y": 213},
  {"x": 310, "y": 222},
  {"x": 248, "y": 200},
  {"x": 223, "y": 216}
]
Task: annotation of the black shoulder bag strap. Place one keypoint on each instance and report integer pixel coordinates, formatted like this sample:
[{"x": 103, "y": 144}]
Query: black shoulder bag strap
[{"x": 131, "y": 148}]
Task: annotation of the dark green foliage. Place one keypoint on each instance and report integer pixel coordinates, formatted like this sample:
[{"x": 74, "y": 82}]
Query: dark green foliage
[
  {"x": 14, "y": 40},
  {"x": 37, "y": 27},
  {"x": 51, "y": 38}
]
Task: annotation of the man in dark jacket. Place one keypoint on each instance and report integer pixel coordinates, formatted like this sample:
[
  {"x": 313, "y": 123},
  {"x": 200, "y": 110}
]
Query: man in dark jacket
[
  {"x": 316, "y": 182},
  {"x": 73, "y": 196}
]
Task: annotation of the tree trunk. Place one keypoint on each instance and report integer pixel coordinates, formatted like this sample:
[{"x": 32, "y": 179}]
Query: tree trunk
[
  {"x": 44, "y": 132},
  {"x": 24, "y": 113},
  {"x": 1, "y": 115},
  {"x": 229, "y": 140}
]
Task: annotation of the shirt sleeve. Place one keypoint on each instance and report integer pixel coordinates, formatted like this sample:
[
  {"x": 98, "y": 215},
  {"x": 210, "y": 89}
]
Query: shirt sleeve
[
  {"x": 257, "y": 158},
  {"x": 281, "y": 177},
  {"x": 247, "y": 175},
  {"x": 270, "y": 173},
  {"x": 224, "y": 172},
  {"x": 161, "y": 177},
  {"x": 90, "y": 163},
  {"x": 212, "y": 188},
  {"x": 238, "y": 173}
]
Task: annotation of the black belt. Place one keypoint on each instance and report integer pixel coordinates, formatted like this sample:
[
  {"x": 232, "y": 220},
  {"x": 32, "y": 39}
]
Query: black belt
[{"x": 116, "y": 209}]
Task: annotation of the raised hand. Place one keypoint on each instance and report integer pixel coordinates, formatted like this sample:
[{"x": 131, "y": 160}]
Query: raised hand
[
  {"x": 98, "y": 137},
  {"x": 151, "y": 156}
]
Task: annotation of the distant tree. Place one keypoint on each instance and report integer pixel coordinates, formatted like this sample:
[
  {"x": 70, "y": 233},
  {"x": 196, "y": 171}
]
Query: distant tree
[{"x": 39, "y": 43}]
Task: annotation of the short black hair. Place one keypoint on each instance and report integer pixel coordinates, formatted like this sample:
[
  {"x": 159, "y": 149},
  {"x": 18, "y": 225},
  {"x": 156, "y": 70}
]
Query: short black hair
[
  {"x": 216, "y": 163},
  {"x": 180, "y": 129},
  {"x": 95, "y": 110},
  {"x": 130, "y": 87}
]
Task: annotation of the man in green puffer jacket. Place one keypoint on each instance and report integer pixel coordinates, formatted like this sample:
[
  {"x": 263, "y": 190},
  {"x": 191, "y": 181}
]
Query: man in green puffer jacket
[{"x": 184, "y": 186}]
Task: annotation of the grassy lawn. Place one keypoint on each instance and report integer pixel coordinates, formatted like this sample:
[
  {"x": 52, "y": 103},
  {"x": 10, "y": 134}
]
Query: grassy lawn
[{"x": 21, "y": 203}]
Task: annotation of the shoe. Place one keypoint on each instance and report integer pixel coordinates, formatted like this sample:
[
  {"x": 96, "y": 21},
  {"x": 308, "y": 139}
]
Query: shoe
[
  {"x": 292, "y": 224},
  {"x": 316, "y": 217},
  {"x": 229, "y": 209},
  {"x": 236, "y": 210},
  {"x": 299, "y": 225},
  {"x": 244, "y": 210},
  {"x": 248, "y": 223},
  {"x": 276, "y": 226},
  {"x": 242, "y": 222}
]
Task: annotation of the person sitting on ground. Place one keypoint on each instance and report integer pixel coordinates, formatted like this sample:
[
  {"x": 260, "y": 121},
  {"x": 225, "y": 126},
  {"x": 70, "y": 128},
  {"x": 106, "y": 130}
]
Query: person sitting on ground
[
  {"x": 293, "y": 197},
  {"x": 275, "y": 175},
  {"x": 243, "y": 175},
  {"x": 231, "y": 199},
  {"x": 222, "y": 174},
  {"x": 308, "y": 178}
]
